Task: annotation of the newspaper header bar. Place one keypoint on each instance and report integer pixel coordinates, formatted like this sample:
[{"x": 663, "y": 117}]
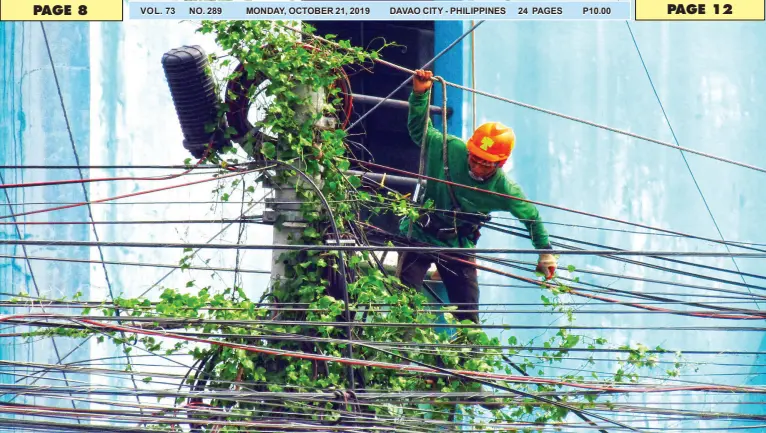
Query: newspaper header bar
[{"x": 382, "y": 10}]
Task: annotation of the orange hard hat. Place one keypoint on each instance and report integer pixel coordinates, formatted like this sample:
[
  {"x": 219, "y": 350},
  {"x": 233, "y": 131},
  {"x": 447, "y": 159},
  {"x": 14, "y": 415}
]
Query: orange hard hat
[{"x": 492, "y": 142}]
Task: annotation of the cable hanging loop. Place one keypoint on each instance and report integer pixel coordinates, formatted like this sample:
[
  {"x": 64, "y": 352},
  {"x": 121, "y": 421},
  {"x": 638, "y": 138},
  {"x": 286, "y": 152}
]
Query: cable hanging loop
[
  {"x": 445, "y": 153},
  {"x": 419, "y": 197}
]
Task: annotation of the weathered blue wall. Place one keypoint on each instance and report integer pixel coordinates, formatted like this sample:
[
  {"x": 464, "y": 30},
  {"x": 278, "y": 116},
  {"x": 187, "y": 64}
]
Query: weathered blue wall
[
  {"x": 33, "y": 131},
  {"x": 709, "y": 78}
]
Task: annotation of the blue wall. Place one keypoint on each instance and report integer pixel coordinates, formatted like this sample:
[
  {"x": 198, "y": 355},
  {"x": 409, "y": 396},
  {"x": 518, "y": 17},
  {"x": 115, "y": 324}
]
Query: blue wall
[
  {"x": 451, "y": 67},
  {"x": 710, "y": 80},
  {"x": 33, "y": 132}
]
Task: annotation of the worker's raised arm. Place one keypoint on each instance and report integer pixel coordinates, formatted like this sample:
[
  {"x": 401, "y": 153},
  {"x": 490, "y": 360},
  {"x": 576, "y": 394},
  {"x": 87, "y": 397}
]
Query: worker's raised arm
[{"x": 418, "y": 111}]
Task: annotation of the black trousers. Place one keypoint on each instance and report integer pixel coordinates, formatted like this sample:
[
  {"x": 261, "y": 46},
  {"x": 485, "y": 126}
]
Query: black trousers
[{"x": 460, "y": 280}]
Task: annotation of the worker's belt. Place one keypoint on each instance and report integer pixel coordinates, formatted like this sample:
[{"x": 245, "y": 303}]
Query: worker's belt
[{"x": 437, "y": 228}]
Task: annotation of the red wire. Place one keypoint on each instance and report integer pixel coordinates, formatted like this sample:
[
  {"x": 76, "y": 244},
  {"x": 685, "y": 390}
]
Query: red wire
[
  {"x": 101, "y": 179},
  {"x": 124, "y": 195},
  {"x": 755, "y": 315},
  {"x": 601, "y": 298},
  {"x": 348, "y": 99},
  {"x": 552, "y": 206},
  {"x": 384, "y": 365}
]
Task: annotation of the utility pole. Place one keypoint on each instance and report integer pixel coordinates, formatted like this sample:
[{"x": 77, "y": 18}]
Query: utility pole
[{"x": 283, "y": 210}]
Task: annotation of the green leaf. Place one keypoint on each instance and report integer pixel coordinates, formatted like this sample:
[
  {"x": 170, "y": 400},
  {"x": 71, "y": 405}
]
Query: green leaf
[
  {"x": 248, "y": 364},
  {"x": 355, "y": 181},
  {"x": 269, "y": 150},
  {"x": 310, "y": 232},
  {"x": 343, "y": 165}
]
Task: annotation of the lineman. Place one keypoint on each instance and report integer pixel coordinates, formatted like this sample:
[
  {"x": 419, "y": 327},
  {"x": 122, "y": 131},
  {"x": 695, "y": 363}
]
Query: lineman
[{"x": 474, "y": 163}]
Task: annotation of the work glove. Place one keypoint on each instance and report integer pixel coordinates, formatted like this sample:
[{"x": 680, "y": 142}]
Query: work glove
[
  {"x": 546, "y": 265},
  {"x": 422, "y": 81}
]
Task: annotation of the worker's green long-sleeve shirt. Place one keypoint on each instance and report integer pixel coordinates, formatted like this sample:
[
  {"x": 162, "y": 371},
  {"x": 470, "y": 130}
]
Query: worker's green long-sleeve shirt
[{"x": 469, "y": 200}]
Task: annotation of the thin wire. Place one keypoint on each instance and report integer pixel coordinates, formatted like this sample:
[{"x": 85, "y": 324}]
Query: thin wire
[
  {"x": 477, "y": 376},
  {"x": 32, "y": 274},
  {"x": 192, "y": 202},
  {"x": 83, "y": 181},
  {"x": 548, "y": 205},
  {"x": 607, "y": 128},
  {"x": 54, "y": 305},
  {"x": 154, "y": 265},
  {"x": 748, "y": 295},
  {"x": 409, "y": 78},
  {"x": 131, "y": 167},
  {"x": 686, "y": 162},
  {"x": 194, "y": 253},
  {"x": 82, "y": 177},
  {"x": 547, "y": 222},
  {"x": 288, "y": 305},
  {"x": 517, "y": 232},
  {"x": 149, "y": 191},
  {"x": 181, "y": 322},
  {"x": 378, "y": 248},
  {"x": 251, "y": 219}
]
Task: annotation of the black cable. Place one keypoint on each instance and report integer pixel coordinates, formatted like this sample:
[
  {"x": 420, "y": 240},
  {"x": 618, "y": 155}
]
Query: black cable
[
  {"x": 32, "y": 274},
  {"x": 35, "y": 321},
  {"x": 524, "y": 373},
  {"x": 612, "y": 250},
  {"x": 341, "y": 265},
  {"x": 255, "y": 219},
  {"x": 502, "y": 387},
  {"x": 82, "y": 177},
  {"x": 140, "y": 264},
  {"x": 606, "y": 290},
  {"x": 268, "y": 305},
  {"x": 552, "y": 206},
  {"x": 409, "y": 78},
  {"x": 638, "y": 295},
  {"x": 647, "y": 233},
  {"x": 745, "y": 295},
  {"x": 380, "y": 248},
  {"x": 432, "y": 311},
  {"x": 67, "y": 167}
]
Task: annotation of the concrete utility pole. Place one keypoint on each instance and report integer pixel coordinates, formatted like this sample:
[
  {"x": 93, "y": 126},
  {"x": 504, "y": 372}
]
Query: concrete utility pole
[{"x": 286, "y": 203}]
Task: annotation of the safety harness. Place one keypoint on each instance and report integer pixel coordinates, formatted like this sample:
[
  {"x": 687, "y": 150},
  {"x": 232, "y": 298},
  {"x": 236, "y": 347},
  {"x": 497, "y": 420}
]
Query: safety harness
[{"x": 433, "y": 226}]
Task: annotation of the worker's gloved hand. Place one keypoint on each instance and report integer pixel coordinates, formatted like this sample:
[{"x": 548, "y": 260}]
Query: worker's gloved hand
[
  {"x": 422, "y": 81},
  {"x": 547, "y": 265}
]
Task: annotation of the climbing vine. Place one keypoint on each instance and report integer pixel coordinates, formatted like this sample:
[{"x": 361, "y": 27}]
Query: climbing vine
[{"x": 289, "y": 66}]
